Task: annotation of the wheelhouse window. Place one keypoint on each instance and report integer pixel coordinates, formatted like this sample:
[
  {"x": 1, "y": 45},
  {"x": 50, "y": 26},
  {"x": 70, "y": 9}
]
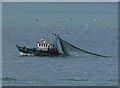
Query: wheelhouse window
[{"x": 46, "y": 45}]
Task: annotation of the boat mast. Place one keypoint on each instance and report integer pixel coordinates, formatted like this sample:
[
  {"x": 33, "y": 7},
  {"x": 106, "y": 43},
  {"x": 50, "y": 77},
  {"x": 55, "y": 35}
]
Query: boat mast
[{"x": 55, "y": 42}]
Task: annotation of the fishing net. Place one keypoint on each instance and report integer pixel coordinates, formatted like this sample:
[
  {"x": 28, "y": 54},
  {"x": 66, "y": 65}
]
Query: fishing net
[{"x": 71, "y": 50}]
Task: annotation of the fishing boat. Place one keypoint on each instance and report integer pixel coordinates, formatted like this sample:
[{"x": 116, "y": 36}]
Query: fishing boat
[
  {"x": 40, "y": 51},
  {"x": 45, "y": 48}
]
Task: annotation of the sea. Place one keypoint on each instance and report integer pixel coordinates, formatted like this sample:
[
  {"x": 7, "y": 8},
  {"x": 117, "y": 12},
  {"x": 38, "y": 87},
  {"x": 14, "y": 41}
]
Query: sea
[{"x": 92, "y": 26}]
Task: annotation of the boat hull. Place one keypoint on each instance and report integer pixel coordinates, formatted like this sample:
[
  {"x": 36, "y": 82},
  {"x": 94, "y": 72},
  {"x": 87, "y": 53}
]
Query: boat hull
[{"x": 34, "y": 52}]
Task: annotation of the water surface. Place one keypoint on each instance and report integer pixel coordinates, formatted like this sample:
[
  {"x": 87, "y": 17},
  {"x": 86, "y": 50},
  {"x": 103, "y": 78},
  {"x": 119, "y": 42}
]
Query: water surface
[{"x": 90, "y": 26}]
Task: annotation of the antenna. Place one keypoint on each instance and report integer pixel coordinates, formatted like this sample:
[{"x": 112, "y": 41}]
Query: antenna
[{"x": 55, "y": 34}]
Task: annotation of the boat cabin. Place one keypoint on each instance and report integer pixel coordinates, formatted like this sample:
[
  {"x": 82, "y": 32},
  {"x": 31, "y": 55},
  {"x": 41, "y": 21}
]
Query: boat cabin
[{"x": 43, "y": 45}]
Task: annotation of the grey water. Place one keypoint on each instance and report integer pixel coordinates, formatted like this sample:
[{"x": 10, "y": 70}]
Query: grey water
[{"x": 90, "y": 26}]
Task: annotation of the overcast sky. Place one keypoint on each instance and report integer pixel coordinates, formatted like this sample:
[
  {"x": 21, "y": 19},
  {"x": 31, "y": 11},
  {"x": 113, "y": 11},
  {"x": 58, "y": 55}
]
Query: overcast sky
[{"x": 59, "y": 0}]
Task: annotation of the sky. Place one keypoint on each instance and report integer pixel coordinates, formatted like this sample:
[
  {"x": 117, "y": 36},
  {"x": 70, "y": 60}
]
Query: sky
[{"x": 59, "y": 0}]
